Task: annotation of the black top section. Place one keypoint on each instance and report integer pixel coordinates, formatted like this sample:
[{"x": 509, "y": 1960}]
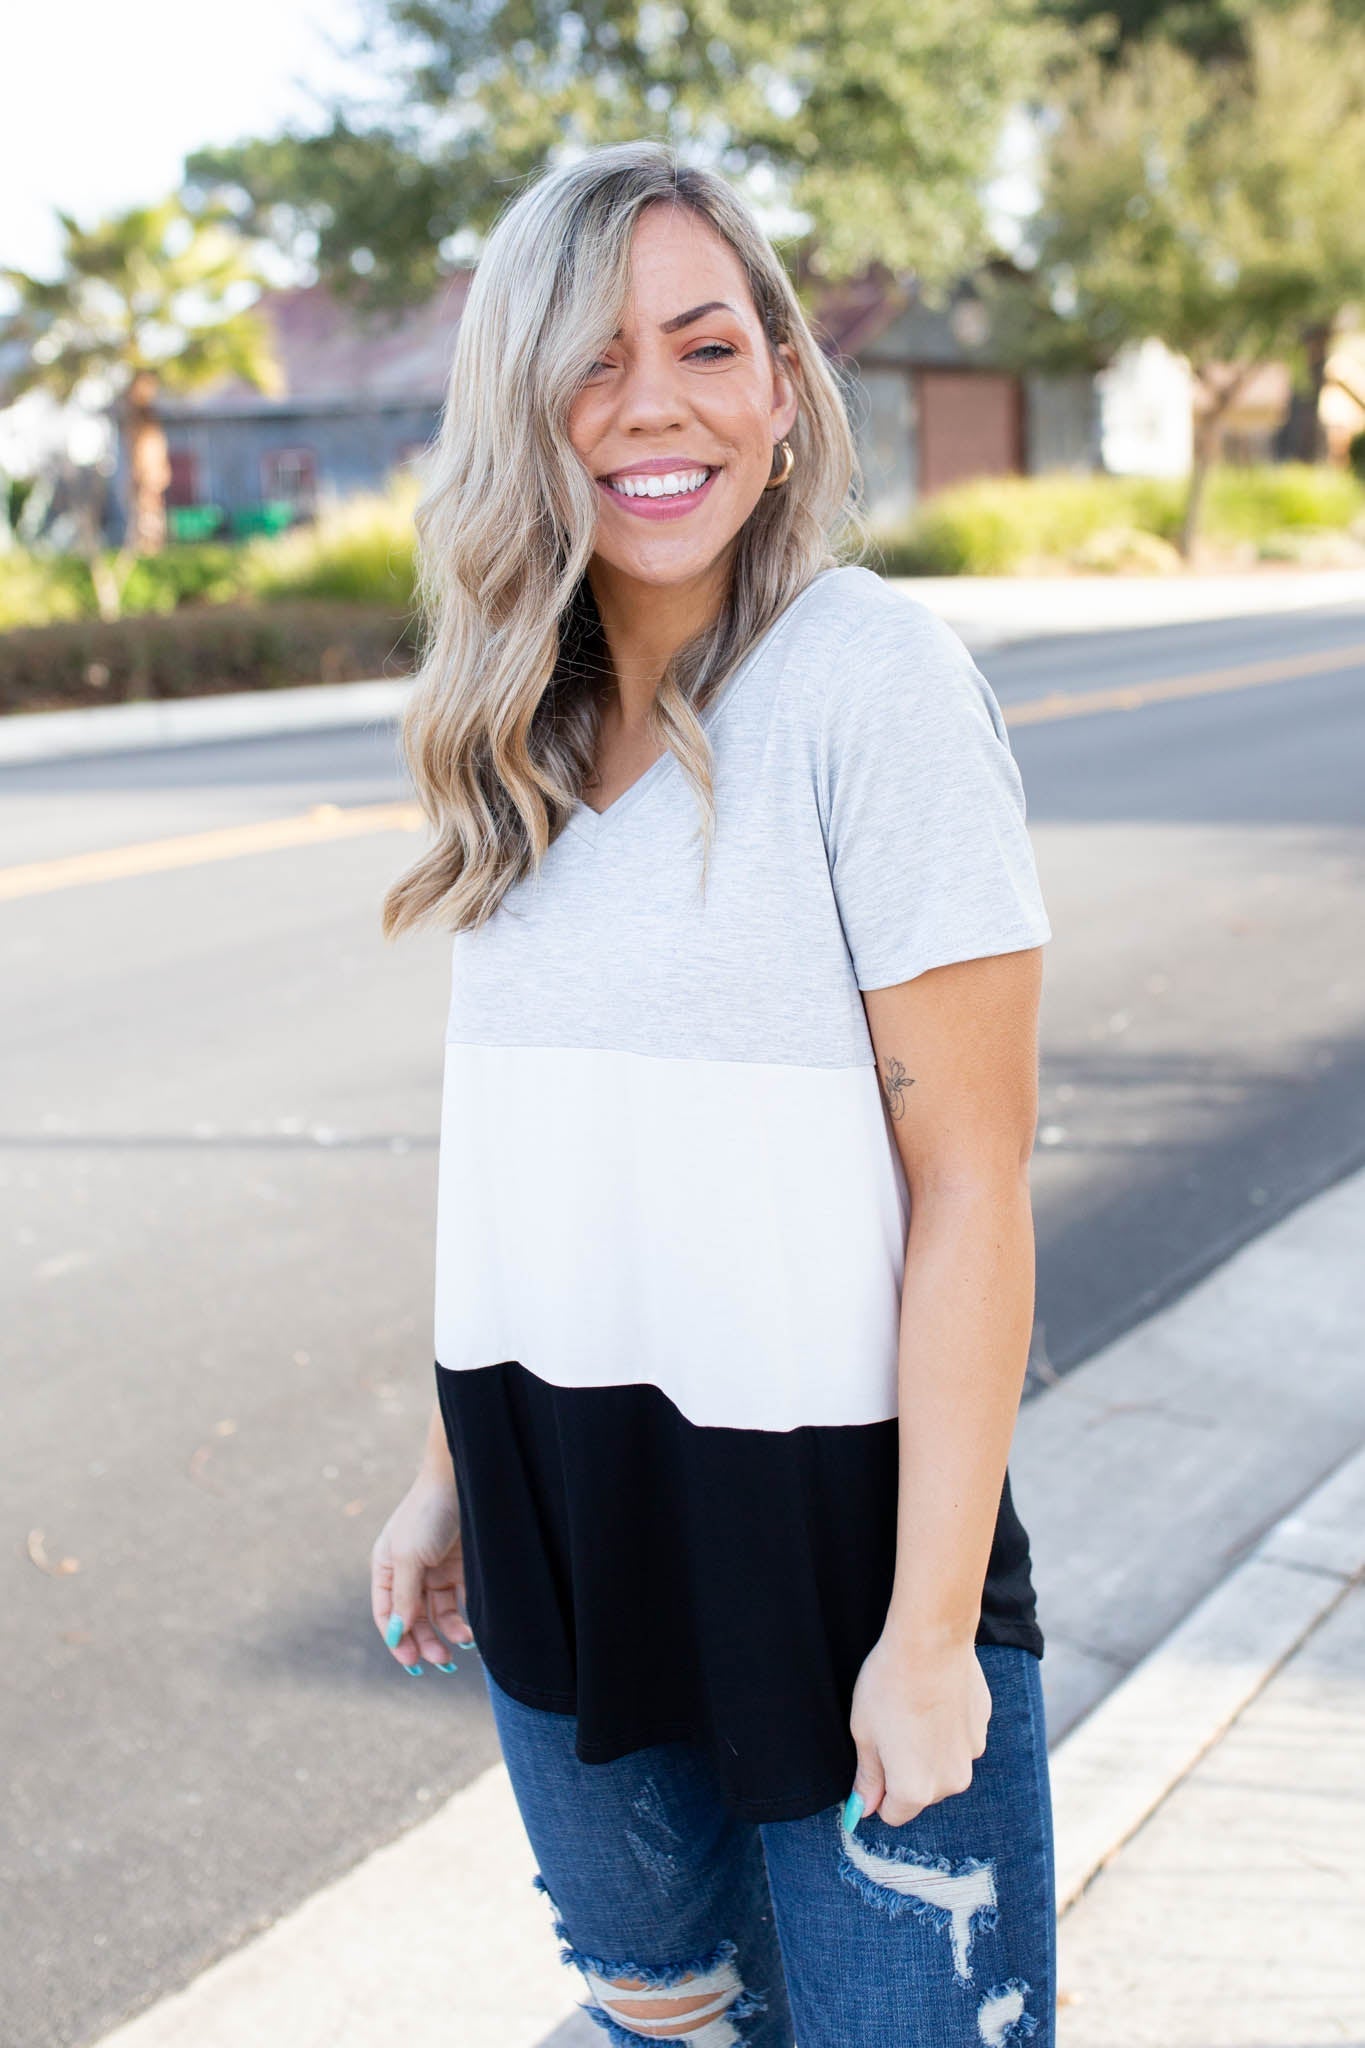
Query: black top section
[{"x": 666, "y": 1581}]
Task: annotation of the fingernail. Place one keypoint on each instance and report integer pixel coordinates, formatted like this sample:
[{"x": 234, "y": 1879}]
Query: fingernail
[
  {"x": 393, "y": 1634},
  {"x": 447, "y": 1667},
  {"x": 413, "y": 1670},
  {"x": 853, "y": 1811}
]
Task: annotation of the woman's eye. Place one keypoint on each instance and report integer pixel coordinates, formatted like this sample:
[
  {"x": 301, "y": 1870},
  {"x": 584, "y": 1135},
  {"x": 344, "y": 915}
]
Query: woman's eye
[{"x": 709, "y": 351}]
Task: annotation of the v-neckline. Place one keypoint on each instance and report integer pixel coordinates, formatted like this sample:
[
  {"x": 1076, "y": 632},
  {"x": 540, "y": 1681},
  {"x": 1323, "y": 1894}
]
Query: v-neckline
[{"x": 590, "y": 824}]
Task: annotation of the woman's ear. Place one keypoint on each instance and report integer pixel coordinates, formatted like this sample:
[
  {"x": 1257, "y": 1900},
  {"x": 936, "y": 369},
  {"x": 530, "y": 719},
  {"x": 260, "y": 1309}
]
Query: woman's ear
[{"x": 786, "y": 389}]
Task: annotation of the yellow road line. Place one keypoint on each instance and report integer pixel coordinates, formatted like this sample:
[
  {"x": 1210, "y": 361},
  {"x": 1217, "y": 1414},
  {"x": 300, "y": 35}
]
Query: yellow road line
[
  {"x": 331, "y": 821},
  {"x": 1131, "y": 696},
  {"x": 189, "y": 849}
]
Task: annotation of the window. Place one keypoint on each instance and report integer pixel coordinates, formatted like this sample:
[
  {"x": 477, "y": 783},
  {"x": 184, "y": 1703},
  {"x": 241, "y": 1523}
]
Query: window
[
  {"x": 183, "y": 488},
  {"x": 289, "y": 474}
]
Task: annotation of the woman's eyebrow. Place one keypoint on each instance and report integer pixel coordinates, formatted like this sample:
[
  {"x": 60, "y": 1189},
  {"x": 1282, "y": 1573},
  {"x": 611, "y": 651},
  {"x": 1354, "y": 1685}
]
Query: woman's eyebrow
[{"x": 686, "y": 319}]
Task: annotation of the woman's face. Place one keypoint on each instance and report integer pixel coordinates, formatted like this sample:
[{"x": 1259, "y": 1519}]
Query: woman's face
[{"x": 687, "y": 393}]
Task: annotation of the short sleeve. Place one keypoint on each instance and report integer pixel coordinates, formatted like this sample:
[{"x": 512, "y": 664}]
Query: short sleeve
[{"x": 922, "y": 803}]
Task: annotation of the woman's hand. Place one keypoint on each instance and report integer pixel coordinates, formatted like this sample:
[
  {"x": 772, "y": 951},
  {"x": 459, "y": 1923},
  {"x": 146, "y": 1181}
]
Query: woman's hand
[
  {"x": 417, "y": 1574},
  {"x": 919, "y": 1719}
]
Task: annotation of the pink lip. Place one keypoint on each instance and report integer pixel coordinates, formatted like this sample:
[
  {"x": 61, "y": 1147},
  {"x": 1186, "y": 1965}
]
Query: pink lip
[{"x": 676, "y": 507}]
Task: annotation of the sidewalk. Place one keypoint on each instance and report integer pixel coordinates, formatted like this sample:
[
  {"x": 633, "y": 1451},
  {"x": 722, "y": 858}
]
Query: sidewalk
[
  {"x": 993, "y": 611},
  {"x": 1201, "y": 1570},
  {"x": 1235, "y": 1917},
  {"x": 987, "y": 611}
]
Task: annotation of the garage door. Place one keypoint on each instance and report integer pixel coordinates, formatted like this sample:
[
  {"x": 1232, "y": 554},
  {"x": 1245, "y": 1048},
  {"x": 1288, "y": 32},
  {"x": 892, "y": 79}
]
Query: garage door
[{"x": 970, "y": 424}]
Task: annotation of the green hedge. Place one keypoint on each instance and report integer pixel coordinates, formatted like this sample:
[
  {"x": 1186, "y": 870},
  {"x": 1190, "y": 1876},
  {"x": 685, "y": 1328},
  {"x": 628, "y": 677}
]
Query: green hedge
[
  {"x": 997, "y": 525},
  {"x": 358, "y": 551},
  {"x": 37, "y": 588},
  {"x": 199, "y": 652}
]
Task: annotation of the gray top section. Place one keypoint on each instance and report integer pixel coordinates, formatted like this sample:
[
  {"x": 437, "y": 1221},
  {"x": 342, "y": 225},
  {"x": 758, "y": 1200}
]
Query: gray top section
[{"x": 870, "y": 824}]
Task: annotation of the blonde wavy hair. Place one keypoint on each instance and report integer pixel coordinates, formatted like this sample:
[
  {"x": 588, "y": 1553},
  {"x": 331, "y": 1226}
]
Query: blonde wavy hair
[{"x": 499, "y": 734}]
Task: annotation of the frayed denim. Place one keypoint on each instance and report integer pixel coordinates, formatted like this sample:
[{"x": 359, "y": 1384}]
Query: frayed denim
[{"x": 690, "y": 1925}]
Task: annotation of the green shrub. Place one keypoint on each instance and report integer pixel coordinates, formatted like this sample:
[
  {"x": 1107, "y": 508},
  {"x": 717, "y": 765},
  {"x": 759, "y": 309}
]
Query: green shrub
[
  {"x": 196, "y": 652},
  {"x": 37, "y": 588},
  {"x": 359, "y": 549},
  {"x": 999, "y": 525},
  {"x": 189, "y": 572},
  {"x": 1246, "y": 504}
]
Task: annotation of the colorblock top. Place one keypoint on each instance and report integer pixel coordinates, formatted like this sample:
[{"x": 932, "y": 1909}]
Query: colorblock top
[{"x": 671, "y": 1214}]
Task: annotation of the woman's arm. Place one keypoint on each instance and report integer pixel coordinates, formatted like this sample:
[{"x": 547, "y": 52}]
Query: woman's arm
[
  {"x": 435, "y": 1461},
  {"x": 957, "y": 1054}
]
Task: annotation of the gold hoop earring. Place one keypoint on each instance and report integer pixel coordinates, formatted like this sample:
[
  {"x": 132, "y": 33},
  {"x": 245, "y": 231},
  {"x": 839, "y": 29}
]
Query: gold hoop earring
[{"x": 788, "y": 464}]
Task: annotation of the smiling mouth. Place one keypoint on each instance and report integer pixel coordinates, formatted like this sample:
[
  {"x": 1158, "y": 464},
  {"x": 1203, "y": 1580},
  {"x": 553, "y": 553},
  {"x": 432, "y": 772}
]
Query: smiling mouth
[{"x": 680, "y": 483}]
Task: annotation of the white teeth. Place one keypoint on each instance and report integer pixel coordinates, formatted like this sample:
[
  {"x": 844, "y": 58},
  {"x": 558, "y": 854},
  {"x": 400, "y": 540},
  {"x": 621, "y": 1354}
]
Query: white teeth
[{"x": 670, "y": 486}]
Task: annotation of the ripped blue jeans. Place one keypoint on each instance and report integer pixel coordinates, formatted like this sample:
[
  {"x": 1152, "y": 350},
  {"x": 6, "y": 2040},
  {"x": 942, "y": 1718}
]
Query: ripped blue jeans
[{"x": 693, "y": 1926}]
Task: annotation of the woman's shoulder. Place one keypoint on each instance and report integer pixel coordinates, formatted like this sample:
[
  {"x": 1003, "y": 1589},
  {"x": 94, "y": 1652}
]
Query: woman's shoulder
[{"x": 868, "y": 643}]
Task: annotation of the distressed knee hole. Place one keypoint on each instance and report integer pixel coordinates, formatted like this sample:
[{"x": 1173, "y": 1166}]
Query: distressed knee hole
[
  {"x": 956, "y": 1897},
  {"x": 695, "y": 2003},
  {"x": 694, "y": 2009}
]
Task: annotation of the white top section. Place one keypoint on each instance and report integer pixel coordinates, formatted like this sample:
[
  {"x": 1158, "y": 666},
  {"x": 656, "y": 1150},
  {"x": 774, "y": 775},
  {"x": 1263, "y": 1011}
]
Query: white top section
[
  {"x": 665, "y": 1155},
  {"x": 730, "y": 1232}
]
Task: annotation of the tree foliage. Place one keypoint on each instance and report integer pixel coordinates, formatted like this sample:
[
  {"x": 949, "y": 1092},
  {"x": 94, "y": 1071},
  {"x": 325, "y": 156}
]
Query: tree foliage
[
  {"x": 864, "y": 132},
  {"x": 1215, "y": 206},
  {"x": 1210, "y": 31},
  {"x": 147, "y": 299},
  {"x": 153, "y": 289}
]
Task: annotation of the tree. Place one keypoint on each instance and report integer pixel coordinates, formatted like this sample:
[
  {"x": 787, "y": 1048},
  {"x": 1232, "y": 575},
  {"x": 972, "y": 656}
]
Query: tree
[
  {"x": 1217, "y": 31},
  {"x": 146, "y": 300},
  {"x": 871, "y": 128},
  {"x": 1216, "y": 207}
]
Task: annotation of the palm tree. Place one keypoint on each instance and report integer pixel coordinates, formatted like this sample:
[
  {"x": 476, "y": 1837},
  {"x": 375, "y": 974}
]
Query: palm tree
[{"x": 145, "y": 301}]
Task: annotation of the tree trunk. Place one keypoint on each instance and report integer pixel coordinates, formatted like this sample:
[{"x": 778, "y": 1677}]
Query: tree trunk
[
  {"x": 1205, "y": 443},
  {"x": 1205, "y": 436},
  {"x": 1299, "y": 437},
  {"x": 149, "y": 467}
]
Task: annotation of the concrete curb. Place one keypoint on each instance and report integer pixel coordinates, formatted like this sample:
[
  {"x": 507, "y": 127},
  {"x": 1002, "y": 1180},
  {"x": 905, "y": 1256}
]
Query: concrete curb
[
  {"x": 190, "y": 721},
  {"x": 1112, "y": 1771},
  {"x": 987, "y": 611}
]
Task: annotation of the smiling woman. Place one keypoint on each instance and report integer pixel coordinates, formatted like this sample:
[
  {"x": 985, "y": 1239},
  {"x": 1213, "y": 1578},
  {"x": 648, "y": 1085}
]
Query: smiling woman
[
  {"x": 631, "y": 324},
  {"x": 733, "y": 1245}
]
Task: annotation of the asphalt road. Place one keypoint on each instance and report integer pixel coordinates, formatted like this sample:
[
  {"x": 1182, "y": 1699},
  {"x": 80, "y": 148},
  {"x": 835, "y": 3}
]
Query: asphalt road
[{"x": 219, "y": 1091}]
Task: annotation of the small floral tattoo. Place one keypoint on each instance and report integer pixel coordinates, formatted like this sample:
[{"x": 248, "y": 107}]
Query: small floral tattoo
[{"x": 896, "y": 1081}]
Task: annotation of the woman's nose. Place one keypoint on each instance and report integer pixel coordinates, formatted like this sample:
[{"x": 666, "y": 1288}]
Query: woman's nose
[{"x": 650, "y": 394}]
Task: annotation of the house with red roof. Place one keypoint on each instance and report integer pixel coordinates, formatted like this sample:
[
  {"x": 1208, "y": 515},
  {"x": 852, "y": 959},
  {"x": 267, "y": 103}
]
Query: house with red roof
[{"x": 361, "y": 395}]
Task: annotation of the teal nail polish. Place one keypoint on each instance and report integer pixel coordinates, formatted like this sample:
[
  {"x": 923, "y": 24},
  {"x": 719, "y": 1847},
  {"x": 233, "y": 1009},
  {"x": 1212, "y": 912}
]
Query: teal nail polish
[
  {"x": 447, "y": 1667},
  {"x": 393, "y": 1634},
  {"x": 413, "y": 1670},
  {"x": 853, "y": 1810}
]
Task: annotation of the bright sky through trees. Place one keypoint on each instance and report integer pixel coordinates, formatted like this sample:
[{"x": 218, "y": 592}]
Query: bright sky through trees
[{"x": 99, "y": 105}]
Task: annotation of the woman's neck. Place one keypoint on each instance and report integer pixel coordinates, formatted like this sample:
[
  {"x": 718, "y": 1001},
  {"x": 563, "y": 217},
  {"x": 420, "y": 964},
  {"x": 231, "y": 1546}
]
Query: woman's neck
[{"x": 646, "y": 623}]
